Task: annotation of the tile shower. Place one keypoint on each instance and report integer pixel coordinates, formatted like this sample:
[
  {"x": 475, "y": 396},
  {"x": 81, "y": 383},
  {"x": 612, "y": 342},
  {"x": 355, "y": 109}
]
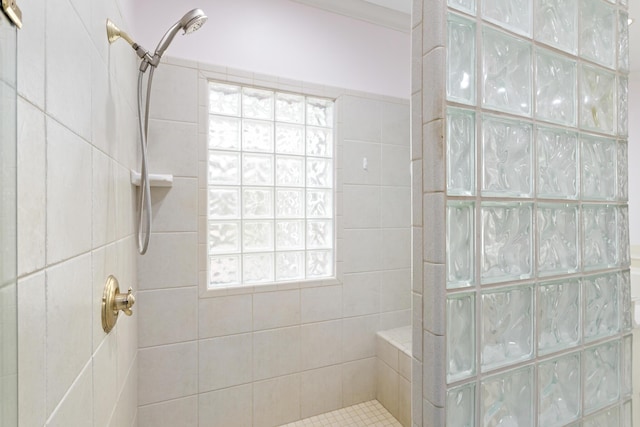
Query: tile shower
[{"x": 521, "y": 277}]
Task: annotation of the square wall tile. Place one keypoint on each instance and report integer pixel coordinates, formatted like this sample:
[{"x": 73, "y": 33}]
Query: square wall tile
[
  {"x": 183, "y": 412},
  {"x": 226, "y": 407},
  {"x": 276, "y": 352},
  {"x": 225, "y": 315},
  {"x": 320, "y": 391},
  {"x": 320, "y": 344},
  {"x": 361, "y": 294},
  {"x": 156, "y": 327},
  {"x": 358, "y": 381},
  {"x": 224, "y": 362},
  {"x": 276, "y": 401}
]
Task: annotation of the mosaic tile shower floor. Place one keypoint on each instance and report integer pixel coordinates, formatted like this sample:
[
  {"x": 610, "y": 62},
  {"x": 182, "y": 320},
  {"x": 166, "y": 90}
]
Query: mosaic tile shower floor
[{"x": 367, "y": 414}]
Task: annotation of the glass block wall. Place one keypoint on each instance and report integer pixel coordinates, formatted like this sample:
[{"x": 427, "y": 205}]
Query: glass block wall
[
  {"x": 522, "y": 213},
  {"x": 270, "y": 186}
]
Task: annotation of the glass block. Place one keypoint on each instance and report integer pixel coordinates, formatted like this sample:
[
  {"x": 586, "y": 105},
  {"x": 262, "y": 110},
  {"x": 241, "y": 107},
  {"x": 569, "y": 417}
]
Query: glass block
[
  {"x": 607, "y": 418},
  {"x": 461, "y": 159},
  {"x": 623, "y": 171},
  {"x": 556, "y": 24},
  {"x": 461, "y": 406},
  {"x": 506, "y": 249},
  {"x": 319, "y": 263},
  {"x": 257, "y": 203},
  {"x": 319, "y": 234},
  {"x": 224, "y": 203},
  {"x": 257, "y": 169},
  {"x": 507, "y": 327},
  {"x": 257, "y": 103},
  {"x": 507, "y": 157},
  {"x": 460, "y": 244},
  {"x": 257, "y": 236},
  {"x": 506, "y": 73},
  {"x": 289, "y": 235},
  {"x": 468, "y": 6},
  {"x": 224, "y": 237},
  {"x": 601, "y": 317},
  {"x": 623, "y": 106},
  {"x": 599, "y": 168},
  {"x": 627, "y": 366},
  {"x": 461, "y": 63},
  {"x": 624, "y": 249},
  {"x": 319, "y": 112},
  {"x": 461, "y": 336},
  {"x": 290, "y": 171},
  {"x": 224, "y": 133},
  {"x": 257, "y": 136},
  {"x": 319, "y": 204},
  {"x": 626, "y": 304},
  {"x": 556, "y": 92},
  {"x": 257, "y": 268},
  {"x": 598, "y": 32},
  {"x": 601, "y": 376},
  {"x": 597, "y": 99},
  {"x": 319, "y": 172},
  {"x": 224, "y": 270},
  {"x": 627, "y": 414},
  {"x": 514, "y": 15},
  {"x": 289, "y": 139},
  {"x": 289, "y": 108},
  {"x": 224, "y": 168},
  {"x": 289, "y": 265},
  {"x": 507, "y": 399},
  {"x": 623, "y": 41},
  {"x": 599, "y": 245},
  {"x": 559, "y": 391},
  {"x": 289, "y": 203},
  {"x": 557, "y": 163},
  {"x": 557, "y": 239},
  {"x": 319, "y": 142},
  {"x": 559, "y": 306},
  {"x": 224, "y": 99}
]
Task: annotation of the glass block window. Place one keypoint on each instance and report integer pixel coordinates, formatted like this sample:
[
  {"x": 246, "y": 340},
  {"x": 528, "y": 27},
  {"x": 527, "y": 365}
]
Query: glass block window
[{"x": 270, "y": 186}]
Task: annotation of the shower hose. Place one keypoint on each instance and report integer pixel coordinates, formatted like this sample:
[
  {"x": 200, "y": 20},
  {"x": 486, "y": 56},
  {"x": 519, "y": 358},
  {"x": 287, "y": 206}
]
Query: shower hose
[{"x": 144, "y": 202}]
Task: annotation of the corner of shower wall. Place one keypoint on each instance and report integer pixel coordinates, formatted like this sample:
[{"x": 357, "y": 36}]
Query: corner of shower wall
[{"x": 503, "y": 235}]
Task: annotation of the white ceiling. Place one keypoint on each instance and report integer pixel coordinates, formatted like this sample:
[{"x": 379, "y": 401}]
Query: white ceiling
[{"x": 396, "y": 14}]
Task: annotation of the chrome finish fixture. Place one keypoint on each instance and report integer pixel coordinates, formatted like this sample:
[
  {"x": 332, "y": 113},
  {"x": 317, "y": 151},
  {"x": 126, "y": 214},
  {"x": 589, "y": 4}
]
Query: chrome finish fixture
[
  {"x": 13, "y": 12},
  {"x": 113, "y": 301},
  {"x": 189, "y": 23}
]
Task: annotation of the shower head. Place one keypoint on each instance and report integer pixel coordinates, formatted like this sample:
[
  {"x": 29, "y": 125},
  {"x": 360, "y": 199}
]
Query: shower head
[
  {"x": 190, "y": 22},
  {"x": 114, "y": 33}
]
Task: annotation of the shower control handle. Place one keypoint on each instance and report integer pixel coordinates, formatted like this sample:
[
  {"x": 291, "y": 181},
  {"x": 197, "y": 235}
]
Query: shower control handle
[
  {"x": 113, "y": 302},
  {"x": 124, "y": 302}
]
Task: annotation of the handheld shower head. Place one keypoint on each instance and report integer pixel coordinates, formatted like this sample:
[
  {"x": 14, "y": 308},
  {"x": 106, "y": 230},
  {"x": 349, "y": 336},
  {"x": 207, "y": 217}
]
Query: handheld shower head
[{"x": 190, "y": 22}]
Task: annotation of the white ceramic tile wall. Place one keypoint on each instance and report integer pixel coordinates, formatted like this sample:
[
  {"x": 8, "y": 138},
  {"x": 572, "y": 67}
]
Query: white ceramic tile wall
[
  {"x": 293, "y": 350},
  {"x": 76, "y": 144}
]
